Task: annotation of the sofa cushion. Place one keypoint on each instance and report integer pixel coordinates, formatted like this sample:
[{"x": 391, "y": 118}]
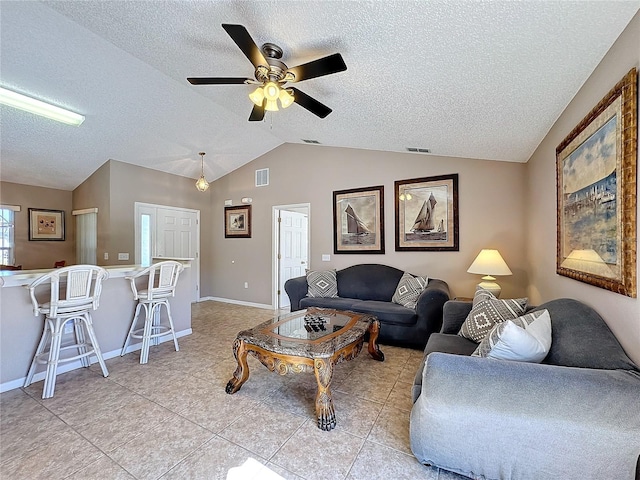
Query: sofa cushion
[
  {"x": 487, "y": 310},
  {"x": 387, "y": 312},
  {"x": 523, "y": 339},
  {"x": 368, "y": 282},
  {"x": 326, "y": 302},
  {"x": 322, "y": 283},
  {"x": 408, "y": 290},
  {"x": 581, "y": 338}
]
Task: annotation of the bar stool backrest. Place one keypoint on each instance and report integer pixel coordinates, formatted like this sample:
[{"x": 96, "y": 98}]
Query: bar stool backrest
[
  {"x": 73, "y": 288},
  {"x": 163, "y": 278}
]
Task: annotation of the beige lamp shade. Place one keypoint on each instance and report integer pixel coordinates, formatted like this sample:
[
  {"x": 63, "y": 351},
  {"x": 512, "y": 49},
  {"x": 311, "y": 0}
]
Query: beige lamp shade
[{"x": 489, "y": 263}]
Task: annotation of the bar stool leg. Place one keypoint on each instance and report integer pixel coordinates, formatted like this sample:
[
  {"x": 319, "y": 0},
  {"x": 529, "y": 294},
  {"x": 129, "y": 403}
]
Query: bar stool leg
[
  {"x": 173, "y": 330},
  {"x": 81, "y": 339},
  {"x": 146, "y": 334},
  {"x": 54, "y": 356},
  {"x": 133, "y": 325},
  {"x": 94, "y": 341},
  {"x": 44, "y": 341}
]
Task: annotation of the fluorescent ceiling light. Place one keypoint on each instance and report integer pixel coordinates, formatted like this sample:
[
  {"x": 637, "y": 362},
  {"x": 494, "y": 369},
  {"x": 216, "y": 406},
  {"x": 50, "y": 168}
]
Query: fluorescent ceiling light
[{"x": 31, "y": 105}]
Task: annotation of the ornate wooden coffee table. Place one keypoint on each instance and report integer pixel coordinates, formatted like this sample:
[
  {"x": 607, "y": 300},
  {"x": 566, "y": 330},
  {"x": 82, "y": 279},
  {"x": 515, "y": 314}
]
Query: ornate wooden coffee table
[{"x": 312, "y": 340}]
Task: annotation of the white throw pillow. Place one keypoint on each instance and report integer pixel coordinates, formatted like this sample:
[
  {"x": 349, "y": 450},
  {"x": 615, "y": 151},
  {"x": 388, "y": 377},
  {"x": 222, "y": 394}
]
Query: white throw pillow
[
  {"x": 322, "y": 284},
  {"x": 523, "y": 339}
]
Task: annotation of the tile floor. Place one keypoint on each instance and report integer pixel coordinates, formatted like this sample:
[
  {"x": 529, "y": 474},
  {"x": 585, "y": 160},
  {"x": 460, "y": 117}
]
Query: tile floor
[{"x": 171, "y": 419}]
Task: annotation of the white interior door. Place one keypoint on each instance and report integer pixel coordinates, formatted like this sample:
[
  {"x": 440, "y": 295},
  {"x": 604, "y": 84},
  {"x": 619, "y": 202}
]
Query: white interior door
[
  {"x": 293, "y": 254},
  {"x": 169, "y": 232}
]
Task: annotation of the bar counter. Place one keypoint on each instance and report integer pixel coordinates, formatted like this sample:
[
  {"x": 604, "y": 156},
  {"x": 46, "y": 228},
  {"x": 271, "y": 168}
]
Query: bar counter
[{"x": 20, "y": 330}]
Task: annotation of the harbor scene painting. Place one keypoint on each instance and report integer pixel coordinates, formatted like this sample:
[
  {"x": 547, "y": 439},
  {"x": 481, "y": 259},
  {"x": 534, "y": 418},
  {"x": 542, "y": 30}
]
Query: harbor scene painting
[
  {"x": 596, "y": 188},
  {"x": 358, "y": 220},
  {"x": 426, "y": 214}
]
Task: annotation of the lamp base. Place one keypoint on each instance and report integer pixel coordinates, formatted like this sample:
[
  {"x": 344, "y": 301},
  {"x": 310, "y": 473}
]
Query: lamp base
[{"x": 492, "y": 287}]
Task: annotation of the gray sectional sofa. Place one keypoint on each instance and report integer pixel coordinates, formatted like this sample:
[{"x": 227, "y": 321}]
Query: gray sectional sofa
[
  {"x": 574, "y": 416},
  {"x": 368, "y": 288}
]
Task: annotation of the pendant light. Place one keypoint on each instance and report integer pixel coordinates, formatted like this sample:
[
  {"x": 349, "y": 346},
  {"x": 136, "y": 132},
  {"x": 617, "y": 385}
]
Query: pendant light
[{"x": 202, "y": 183}]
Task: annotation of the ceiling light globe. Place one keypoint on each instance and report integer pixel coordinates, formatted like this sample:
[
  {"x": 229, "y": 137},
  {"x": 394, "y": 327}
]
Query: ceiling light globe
[
  {"x": 257, "y": 96},
  {"x": 286, "y": 98},
  {"x": 202, "y": 184},
  {"x": 271, "y": 91},
  {"x": 271, "y": 105}
]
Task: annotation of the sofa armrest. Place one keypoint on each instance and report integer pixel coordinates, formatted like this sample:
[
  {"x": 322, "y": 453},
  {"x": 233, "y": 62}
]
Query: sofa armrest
[
  {"x": 296, "y": 289},
  {"x": 454, "y": 314},
  {"x": 429, "y": 305},
  {"x": 524, "y": 420}
]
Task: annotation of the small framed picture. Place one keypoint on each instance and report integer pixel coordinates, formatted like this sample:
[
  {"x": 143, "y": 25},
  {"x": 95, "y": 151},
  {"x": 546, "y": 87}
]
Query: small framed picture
[
  {"x": 46, "y": 224},
  {"x": 237, "y": 222},
  {"x": 358, "y": 220}
]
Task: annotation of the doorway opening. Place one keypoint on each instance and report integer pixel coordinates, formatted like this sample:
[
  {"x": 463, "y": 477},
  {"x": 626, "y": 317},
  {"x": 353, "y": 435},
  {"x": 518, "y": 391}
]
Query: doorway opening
[
  {"x": 168, "y": 233},
  {"x": 292, "y": 243}
]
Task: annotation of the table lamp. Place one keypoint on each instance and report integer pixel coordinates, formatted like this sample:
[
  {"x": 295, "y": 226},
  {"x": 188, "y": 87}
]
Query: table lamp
[{"x": 488, "y": 263}]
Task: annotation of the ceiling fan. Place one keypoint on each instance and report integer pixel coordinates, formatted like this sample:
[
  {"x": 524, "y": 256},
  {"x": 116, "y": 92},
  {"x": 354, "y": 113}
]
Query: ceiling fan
[{"x": 271, "y": 75}]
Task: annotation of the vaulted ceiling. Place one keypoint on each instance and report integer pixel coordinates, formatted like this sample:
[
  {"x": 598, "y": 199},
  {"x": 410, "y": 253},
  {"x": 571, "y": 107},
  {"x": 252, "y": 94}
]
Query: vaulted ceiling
[{"x": 461, "y": 78}]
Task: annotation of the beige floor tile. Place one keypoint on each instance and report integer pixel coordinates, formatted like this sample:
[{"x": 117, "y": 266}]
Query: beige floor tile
[
  {"x": 392, "y": 429},
  {"x": 102, "y": 469},
  {"x": 355, "y": 415},
  {"x": 377, "y": 462},
  {"x": 400, "y": 397},
  {"x": 263, "y": 429},
  {"x": 157, "y": 450},
  {"x": 211, "y": 461},
  {"x": 219, "y": 410},
  {"x": 318, "y": 455}
]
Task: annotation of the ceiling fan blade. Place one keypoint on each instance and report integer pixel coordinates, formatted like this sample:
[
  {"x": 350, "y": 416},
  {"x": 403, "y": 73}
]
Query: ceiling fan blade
[
  {"x": 257, "y": 114},
  {"x": 310, "y": 103},
  {"x": 217, "y": 80},
  {"x": 318, "y": 68},
  {"x": 241, "y": 36}
]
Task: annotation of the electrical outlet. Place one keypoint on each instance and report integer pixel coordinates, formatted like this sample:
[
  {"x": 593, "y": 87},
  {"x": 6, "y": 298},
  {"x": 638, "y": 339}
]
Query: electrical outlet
[
  {"x": 123, "y": 256},
  {"x": 68, "y": 328},
  {"x": 106, "y": 255},
  {"x": 246, "y": 284}
]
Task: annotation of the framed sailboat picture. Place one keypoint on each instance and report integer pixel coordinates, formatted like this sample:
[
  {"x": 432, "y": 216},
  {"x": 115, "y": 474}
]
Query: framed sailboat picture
[
  {"x": 358, "y": 220},
  {"x": 427, "y": 213},
  {"x": 596, "y": 193}
]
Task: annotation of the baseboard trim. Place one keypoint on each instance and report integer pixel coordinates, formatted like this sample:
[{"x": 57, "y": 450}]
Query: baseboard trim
[
  {"x": 238, "y": 302},
  {"x": 63, "y": 368}
]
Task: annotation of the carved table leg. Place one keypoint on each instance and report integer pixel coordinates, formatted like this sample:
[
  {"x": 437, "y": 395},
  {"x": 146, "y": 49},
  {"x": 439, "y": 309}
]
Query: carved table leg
[
  {"x": 323, "y": 368},
  {"x": 242, "y": 371},
  {"x": 374, "y": 349}
]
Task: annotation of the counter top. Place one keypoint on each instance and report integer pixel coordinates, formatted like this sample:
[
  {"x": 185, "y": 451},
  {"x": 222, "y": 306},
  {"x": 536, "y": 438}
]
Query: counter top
[{"x": 19, "y": 278}]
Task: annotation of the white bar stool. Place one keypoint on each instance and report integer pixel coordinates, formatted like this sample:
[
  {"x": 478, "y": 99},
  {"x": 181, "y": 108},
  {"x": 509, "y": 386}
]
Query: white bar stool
[
  {"x": 74, "y": 293},
  {"x": 163, "y": 278}
]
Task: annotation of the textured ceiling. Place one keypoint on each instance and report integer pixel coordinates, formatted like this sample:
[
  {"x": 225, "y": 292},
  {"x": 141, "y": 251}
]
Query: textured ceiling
[{"x": 462, "y": 78}]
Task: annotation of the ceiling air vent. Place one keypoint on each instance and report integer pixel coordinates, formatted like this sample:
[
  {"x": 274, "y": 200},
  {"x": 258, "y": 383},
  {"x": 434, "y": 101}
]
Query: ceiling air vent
[
  {"x": 315, "y": 142},
  {"x": 418, "y": 150},
  {"x": 262, "y": 177}
]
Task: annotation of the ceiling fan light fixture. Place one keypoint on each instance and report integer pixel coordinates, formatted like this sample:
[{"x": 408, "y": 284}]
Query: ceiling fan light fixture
[
  {"x": 286, "y": 98},
  {"x": 202, "y": 183},
  {"x": 257, "y": 96}
]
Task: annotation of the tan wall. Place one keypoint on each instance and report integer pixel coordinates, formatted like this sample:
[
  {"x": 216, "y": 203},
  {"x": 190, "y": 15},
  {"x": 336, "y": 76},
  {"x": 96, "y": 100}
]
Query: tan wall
[
  {"x": 491, "y": 198},
  {"x": 621, "y": 313},
  {"x": 95, "y": 192},
  {"x": 39, "y": 254}
]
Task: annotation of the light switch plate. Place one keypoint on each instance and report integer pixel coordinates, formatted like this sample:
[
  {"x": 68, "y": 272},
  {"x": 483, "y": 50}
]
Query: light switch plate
[
  {"x": 326, "y": 258},
  {"x": 123, "y": 256}
]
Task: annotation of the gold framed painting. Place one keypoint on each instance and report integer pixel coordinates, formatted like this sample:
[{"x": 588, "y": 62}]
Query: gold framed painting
[
  {"x": 596, "y": 193},
  {"x": 358, "y": 220},
  {"x": 237, "y": 222},
  {"x": 46, "y": 224},
  {"x": 427, "y": 214}
]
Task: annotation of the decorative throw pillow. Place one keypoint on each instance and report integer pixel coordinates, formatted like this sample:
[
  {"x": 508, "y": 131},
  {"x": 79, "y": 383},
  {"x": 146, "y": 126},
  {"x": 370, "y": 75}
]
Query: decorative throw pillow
[
  {"x": 487, "y": 310},
  {"x": 322, "y": 284},
  {"x": 523, "y": 339},
  {"x": 409, "y": 289}
]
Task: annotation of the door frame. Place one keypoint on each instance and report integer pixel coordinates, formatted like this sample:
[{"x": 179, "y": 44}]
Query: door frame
[
  {"x": 195, "y": 263},
  {"x": 275, "y": 264}
]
